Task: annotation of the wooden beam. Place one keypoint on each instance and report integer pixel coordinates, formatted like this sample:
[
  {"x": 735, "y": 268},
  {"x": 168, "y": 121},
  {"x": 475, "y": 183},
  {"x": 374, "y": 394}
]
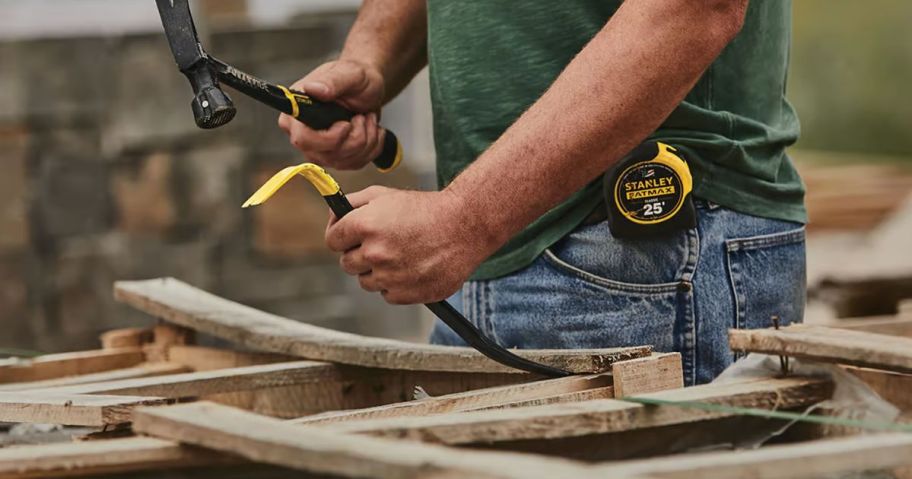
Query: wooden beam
[
  {"x": 658, "y": 372},
  {"x": 141, "y": 371},
  {"x": 264, "y": 439},
  {"x": 823, "y": 458},
  {"x": 51, "y": 366},
  {"x": 182, "y": 304},
  {"x": 828, "y": 344},
  {"x": 71, "y": 409},
  {"x": 469, "y": 400},
  {"x": 593, "y": 417},
  {"x": 211, "y": 382},
  {"x": 95, "y": 458}
]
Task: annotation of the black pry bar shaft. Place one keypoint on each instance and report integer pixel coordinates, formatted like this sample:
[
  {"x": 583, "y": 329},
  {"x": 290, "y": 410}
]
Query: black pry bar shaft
[{"x": 340, "y": 206}]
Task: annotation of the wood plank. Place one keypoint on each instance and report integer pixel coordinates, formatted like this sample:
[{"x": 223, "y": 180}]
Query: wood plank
[
  {"x": 828, "y": 344},
  {"x": 211, "y": 382},
  {"x": 813, "y": 459},
  {"x": 182, "y": 304},
  {"x": 125, "y": 338},
  {"x": 141, "y": 371},
  {"x": 265, "y": 439},
  {"x": 466, "y": 401},
  {"x": 606, "y": 392},
  {"x": 94, "y": 458},
  {"x": 51, "y": 366},
  {"x": 202, "y": 358},
  {"x": 658, "y": 372},
  {"x": 593, "y": 417},
  {"x": 71, "y": 409}
]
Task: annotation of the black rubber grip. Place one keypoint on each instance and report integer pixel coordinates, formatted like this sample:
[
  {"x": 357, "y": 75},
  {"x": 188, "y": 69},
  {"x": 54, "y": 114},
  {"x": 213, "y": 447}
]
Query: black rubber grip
[
  {"x": 340, "y": 206},
  {"x": 321, "y": 115}
]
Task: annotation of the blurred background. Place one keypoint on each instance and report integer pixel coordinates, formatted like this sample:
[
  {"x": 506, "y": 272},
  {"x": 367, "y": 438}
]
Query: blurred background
[{"x": 105, "y": 176}]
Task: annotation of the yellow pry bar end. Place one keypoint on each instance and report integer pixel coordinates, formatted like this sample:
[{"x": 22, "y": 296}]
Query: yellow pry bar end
[{"x": 318, "y": 177}]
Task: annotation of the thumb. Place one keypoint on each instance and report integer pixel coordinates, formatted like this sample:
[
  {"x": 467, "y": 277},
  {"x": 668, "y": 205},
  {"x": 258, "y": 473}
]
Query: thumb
[
  {"x": 365, "y": 196},
  {"x": 332, "y": 81}
]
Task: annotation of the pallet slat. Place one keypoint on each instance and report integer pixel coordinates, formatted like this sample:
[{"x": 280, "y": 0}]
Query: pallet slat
[
  {"x": 820, "y": 343},
  {"x": 71, "y": 409},
  {"x": 182, "y": 304},
  {"x": 813, "y": 459},
  {"x": 593, "y": 417},
  {"x": 264, "y": 439}
]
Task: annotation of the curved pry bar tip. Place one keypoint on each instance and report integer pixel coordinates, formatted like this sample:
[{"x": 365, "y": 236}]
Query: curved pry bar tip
[{"x": 317, "y": 176}]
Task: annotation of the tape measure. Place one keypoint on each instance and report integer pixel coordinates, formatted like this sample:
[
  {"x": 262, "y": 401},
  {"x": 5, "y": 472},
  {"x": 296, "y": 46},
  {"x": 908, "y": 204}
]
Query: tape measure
[{"x": 648, "y": 193}]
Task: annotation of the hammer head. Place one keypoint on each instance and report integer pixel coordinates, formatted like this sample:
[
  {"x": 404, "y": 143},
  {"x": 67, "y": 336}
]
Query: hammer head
[{"x": 212, "y": 108}]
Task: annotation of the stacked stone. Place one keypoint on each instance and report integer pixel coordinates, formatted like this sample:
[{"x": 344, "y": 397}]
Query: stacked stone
[{"x": 106, "y": 177}]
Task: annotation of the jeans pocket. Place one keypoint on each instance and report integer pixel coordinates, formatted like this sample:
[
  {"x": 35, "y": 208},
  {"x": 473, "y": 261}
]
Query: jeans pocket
[
  {"x": 768, "y": 278},
  {"x": 589, "y": 311},
  {"x": 646, "y": 265}
]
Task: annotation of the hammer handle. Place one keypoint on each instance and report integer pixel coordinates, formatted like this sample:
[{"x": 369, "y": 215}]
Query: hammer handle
[{"x": 321, "y": 115}]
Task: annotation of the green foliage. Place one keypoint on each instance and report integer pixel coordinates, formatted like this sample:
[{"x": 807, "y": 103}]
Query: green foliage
[{"x": 851, "y": 74}]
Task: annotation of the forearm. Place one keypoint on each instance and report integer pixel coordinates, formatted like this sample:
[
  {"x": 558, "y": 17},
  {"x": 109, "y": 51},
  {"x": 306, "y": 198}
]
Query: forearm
[
  {"x": 391, "y": 36},
  {"x": 614, "y": 94}
]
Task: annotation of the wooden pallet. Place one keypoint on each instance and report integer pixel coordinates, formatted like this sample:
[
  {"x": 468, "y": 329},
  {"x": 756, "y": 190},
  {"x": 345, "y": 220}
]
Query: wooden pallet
[{"x": 324, "y": 402}]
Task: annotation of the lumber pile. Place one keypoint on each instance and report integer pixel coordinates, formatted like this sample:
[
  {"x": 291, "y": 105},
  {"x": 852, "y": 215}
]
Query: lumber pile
[
  {"x": 307, "y": 399},
  {"x": 854, "y": 197}
]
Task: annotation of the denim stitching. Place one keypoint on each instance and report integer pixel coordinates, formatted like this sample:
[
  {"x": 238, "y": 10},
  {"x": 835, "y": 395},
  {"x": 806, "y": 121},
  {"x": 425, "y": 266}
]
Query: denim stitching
[
  {"x": 762, "y": 241},
  {"x": 606, "y": 283}
]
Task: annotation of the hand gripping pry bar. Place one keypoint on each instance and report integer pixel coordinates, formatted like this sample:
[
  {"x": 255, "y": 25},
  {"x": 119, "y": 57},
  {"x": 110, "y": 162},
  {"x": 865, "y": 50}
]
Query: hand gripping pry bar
[
  {"x": 212, "y": 108},
  {"x": 340, "y": 206}
]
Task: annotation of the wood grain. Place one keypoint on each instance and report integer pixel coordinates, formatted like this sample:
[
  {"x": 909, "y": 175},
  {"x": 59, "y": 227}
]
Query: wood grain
[
  {"x": 469, "y": 400},
  {"x": 593, "y": 417},
  {"x": 264, "y": 439},
  {"x": 141, "y": 371},
  {"x": 211, "y": 382},
  {"x": 95, "y": 458},
  {"x": 51, "y": 366},
  {"x": 812, "y": 459},
  {"x": 71, "y": 409},
  {"x": 828, "y": 344},
  {"x": 182, "y": 304},
  {"x": 658, "y": 372}
]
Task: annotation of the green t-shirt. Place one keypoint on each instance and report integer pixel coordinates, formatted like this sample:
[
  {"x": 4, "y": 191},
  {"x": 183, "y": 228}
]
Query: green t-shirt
[{"x": 491, "y": 59}]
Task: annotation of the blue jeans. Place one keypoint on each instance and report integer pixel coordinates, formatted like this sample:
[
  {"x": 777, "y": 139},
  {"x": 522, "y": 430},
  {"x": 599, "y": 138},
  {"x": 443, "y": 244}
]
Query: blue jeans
[{"x": 678, "y": 293}]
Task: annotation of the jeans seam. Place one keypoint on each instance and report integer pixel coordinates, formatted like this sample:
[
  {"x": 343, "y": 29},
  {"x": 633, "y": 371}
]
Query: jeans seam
[
  {"x": 763, "y": 241},
  {"x": 606, "y": 283}
]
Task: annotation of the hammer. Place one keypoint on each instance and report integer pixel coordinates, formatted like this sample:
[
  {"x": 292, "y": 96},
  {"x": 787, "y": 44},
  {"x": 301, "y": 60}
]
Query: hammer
[{"x": 213, "y": 108}]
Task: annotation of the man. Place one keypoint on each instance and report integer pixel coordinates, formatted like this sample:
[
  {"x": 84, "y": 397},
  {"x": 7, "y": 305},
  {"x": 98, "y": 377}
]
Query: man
[{"x": 533, "y": 102}]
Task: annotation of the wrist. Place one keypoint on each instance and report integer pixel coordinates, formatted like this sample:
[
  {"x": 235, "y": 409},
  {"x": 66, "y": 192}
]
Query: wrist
[{"x": 476, "y": 217}]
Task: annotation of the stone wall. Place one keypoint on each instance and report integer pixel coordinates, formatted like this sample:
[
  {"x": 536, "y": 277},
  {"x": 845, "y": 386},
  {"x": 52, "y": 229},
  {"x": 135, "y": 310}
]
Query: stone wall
[{"x": 105, "y": 177}]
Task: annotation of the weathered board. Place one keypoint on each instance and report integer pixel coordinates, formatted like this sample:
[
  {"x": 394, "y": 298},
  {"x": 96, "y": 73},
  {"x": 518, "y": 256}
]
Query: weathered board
[
  {"x": 71, "y": 409},
  {"x": 593, "y": 417},
  {"x": 812, "y": 459},
  {"x": 828, "y": 344},
  {"x": 264, "y": 439},
  {"x": 182, "y": 304}
]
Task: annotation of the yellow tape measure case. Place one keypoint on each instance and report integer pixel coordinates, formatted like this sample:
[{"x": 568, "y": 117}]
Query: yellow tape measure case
[{"x": 648, "y": 193}]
